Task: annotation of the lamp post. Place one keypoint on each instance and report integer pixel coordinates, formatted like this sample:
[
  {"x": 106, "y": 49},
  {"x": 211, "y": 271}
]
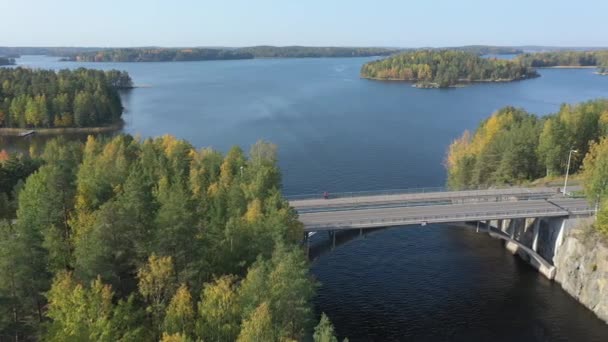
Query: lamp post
[{"x": 568, "y": 169}]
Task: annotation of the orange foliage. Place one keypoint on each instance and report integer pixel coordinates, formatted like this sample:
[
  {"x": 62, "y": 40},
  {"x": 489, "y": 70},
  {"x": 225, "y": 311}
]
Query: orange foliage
[{"x": 4, "y": 156}]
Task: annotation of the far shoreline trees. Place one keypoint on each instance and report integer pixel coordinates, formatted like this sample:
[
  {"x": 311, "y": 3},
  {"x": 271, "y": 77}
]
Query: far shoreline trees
[
  {"x": 207, "y": 54},
  {"x": 565, "y": 59}
]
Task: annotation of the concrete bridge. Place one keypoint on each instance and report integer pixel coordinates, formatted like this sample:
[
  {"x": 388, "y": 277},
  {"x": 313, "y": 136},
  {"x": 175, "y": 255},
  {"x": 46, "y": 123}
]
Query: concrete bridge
[
  {"x": 374, "y": 210},
  {"x": 492, "y": 210}
]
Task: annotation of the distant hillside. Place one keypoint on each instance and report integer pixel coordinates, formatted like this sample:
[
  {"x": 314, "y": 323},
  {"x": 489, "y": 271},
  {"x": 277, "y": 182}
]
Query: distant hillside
[
  {"x": 308, "y": 51},
  {"x": 158, "y": 55},
  {"x": 597, "y": 58},
  {"x": 202, "y": 54}
]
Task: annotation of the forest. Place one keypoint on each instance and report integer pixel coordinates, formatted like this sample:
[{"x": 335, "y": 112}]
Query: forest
[
  {"x": 145, "y": 240},
  {"x": 566, "y": 59},
  {"x": 444, "y": 68},
  {"x": 68, "y": 98},
  {"x": 514, "y": 147}
]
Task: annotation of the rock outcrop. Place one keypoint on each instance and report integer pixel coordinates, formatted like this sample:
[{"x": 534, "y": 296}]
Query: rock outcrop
[{"x": 582, "y": 268}]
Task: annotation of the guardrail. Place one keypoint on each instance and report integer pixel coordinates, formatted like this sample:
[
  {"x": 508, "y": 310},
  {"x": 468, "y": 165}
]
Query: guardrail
[
  {"x": 488, "y": 215},
  {"x": 470, "y": 192}
]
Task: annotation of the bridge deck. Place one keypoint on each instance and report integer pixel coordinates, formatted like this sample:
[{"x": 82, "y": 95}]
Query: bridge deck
[
  {"x": 360, "y": 200},
  {"x": 442, "y": 213}
]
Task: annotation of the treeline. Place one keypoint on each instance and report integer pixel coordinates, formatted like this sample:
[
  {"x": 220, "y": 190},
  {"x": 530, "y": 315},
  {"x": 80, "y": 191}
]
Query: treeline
[
  {"x": 7, "y": 61},
  {"x": 314, "y": 51},
  {"x": 158, "y": 55},
  {"x": 513, "y": 147},
  {"x": 127, "y": 240},
  {"x": 49, "y": 51},
  {"x": 444, "y": 68},
  {"x": 487, "y": 49},
  {"x": 202, "y": 54},
  {"x": 566, "y": 58},
  {"x": 68, "y": 98}
]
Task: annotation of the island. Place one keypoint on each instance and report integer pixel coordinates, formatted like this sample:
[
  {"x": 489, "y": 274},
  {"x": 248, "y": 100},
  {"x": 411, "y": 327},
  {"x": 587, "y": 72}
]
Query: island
[
  {"x": 6, "y": 61},
  {"x": 83, "y": 99},
  {"x": 445, "y": 68}
]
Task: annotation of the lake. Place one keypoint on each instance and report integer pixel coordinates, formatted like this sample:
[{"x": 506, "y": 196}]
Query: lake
[{"x": 337, "y": 132}]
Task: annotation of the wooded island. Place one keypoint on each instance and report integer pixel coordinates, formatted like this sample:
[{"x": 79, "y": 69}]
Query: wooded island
[{"x": 445, "y": 68}]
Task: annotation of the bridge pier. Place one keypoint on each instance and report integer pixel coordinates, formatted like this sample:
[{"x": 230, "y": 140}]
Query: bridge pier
[
  {"x": 332, "y": 236},
  {"x": 307, "y": 241},
  {"x": 536, "y": 231}
]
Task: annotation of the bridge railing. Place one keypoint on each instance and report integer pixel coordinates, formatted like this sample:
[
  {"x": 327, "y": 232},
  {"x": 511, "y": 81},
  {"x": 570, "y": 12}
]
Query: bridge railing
[
  {"x": 486, "y": 215},
  {"x": 472, "y": 191}
]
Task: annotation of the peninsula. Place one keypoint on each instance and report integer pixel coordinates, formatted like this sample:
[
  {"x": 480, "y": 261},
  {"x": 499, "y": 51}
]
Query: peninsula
[{"x": 81, "y": 98}]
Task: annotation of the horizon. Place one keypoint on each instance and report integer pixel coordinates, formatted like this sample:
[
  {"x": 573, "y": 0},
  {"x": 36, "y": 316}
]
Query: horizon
[
  {"x": 298, "y": 45},
  {"x": 355, "y": 23}
]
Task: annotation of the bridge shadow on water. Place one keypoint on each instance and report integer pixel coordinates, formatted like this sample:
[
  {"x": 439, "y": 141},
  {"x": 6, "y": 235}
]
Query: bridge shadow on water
[{"x": 323, "y": 242}]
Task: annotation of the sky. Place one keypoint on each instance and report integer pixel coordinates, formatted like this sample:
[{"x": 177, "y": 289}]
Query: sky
[{"x": 389, "y": 23}]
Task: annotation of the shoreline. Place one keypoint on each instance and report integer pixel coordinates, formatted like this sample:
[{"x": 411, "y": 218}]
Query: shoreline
[
  {"x": 6, "y": 131},
  {"x": 460, "y": 84},
  {"x": 568, "y": 67}
]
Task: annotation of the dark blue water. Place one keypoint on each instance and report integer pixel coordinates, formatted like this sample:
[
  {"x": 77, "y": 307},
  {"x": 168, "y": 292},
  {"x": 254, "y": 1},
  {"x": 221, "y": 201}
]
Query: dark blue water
[{"x": 337, "y": 132}]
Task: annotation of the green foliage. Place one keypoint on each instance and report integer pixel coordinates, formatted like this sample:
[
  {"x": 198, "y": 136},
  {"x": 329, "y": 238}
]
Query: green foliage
[
  {"x": 219, "y": 311},
  {"x": 324, "y": 331},
  {"x": 14, "y": 169},
  {"x": 79, "y": 313},
  {"x": 68, "y": 98},
  {"x": 443, "y": 68},
  {"x": 513, "y": 146},
  {"x": 595, "y": 170},
  {"x": 602, "y": 218},
  {"x": 179, "y": 317},
  {"x": 258, "y": 326},
  {"x": 119, "y": 223}
]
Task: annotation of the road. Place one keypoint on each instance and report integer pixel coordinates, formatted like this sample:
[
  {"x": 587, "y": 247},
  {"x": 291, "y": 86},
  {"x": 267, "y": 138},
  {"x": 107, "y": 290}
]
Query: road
[
  {"x": 359, "y": 200},
  {"x": 371, "y": 217}
]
